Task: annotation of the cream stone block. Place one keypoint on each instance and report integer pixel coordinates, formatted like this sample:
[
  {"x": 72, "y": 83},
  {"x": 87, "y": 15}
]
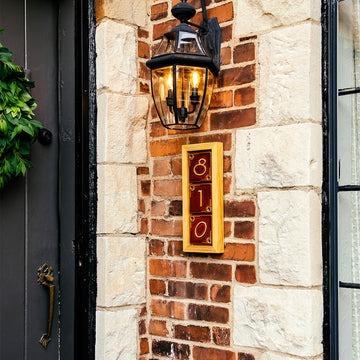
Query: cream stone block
[
  {"x": 116, "y": 335},
  {"x": 272, "y": 356},
  {"x": 122, "y": 128},
  {"x": 134, "y": 12},
  {"x": 290, "y": 75},
  {"x": 120, "y": 271},
  {"x": 279, "y": 156},
  {"x": 117, "y": 199},
  {"x": 290, "y": 238},
  {"x": 254, "y": 16},
  {"x": 116, "y": 62},
  {"x": 281, "y": 320}
]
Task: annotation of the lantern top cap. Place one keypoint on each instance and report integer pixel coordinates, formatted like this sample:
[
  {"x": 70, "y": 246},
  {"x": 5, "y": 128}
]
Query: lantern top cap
[{"x": 183, "y": 11}]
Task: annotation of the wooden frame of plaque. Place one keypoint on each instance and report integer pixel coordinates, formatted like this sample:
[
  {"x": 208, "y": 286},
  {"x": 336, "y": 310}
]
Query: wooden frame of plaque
[{"x": 203, "y": 207}]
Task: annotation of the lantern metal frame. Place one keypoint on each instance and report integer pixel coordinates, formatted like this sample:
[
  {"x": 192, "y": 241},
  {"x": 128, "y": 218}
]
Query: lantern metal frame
[{"x": 208, "y": 39}]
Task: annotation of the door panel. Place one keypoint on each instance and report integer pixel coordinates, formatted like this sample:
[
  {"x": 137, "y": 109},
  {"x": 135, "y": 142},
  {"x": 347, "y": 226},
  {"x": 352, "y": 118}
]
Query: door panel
[{"x": 31, "y": 209}]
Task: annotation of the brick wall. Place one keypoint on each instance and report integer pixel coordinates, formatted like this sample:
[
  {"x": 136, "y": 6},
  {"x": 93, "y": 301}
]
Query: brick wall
[
  {"x": 189, "y": 296},
  {"x": 262, "y": 298}
]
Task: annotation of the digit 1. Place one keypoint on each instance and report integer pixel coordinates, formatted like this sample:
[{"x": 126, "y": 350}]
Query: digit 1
[{"x": 201, "y": 204}]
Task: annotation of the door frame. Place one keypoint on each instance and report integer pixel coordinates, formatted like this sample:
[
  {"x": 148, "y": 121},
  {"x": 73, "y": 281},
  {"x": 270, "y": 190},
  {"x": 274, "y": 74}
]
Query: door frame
[{"x": 85, "y": 179}]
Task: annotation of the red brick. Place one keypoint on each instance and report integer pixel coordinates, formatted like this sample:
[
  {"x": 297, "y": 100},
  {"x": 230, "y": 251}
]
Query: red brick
[
  {"x": 144, "y": 71},
  {"x": 224, "y": 138},
  {"x": 201, "y": 353},
  {"x": 221, "y": 99},
  {"x": 160, "y": 29},
  {"x": 154, "y": 113},
  {"x": 159, "y": 11},
  {"x": 225, "y": 55},
  {"x": 208, "y": 313},
  {"x": 221, "y": 336},
  {"x": 233, "y": 119},
  {"x": 100, "y": 9},
  {"x": 177, "y": 166},
  {"x": 236, "y": 76},
  {"x": 142, "y": 206},
  {"x": 143, "y": 170},
  {"x": 210, "y": 271},
  {"x": 157, "y": 208},
  {"x": 142, "y": 327},
  {"x": 145, "y": 88},
  {"x": 192, "y": 333},
  {"x": 158, "y": 327},
  {"x": 157, "y": 130},
  {"x": 143, "y": 311},
  {"x": 175, "y": 248},
  {"x": 227, "y": 185},
  {"x": 223, "y": 12},
  {"x": 188, "y": 290},
  {"x": 144, "y": 346},
  {"x": 244, "y": 96},
  {"x": 220, "y": 293},
  {"x": 166, "y": 227},
  {"x": 156, "y": 247},
  {"x": 143, "y": 33},
  {"x": 170, "y": 349},
  {"x": 243, "y": 356},
  {"x": 144, "y": 226},
  {"x": 244, "y": 52},
  {"x": 175, "y": 208},
  {"x": 167, "y": 187},
  {"x": 236, "y": 208},
  {"x": 166, "y": 147},
  {"x": 238, "y": 252},
  {"x": 226, "y": 33},
  {"x": 143, "y": 50},
  {"x": 172, "y": 268},
  {"x": 161, "y": 168},
  {"x": 227, "y": 163},
  {"x": 171, "y": 309},
  {"x": 227, "y": 229},
  {"x": 245, "y": 274},
  {"x": 244, "y": 230},
  {"x": 145, "y": 187},
  {"x": 157, "y": 287}
]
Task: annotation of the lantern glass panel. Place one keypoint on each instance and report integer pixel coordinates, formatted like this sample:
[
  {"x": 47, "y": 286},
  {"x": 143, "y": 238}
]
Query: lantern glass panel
[
  {"x": 163, "y": 93},
  {"x": 207, "y": 97},
  {"x": 166, "y": 46},
  {"x": 190, "y": 85}
]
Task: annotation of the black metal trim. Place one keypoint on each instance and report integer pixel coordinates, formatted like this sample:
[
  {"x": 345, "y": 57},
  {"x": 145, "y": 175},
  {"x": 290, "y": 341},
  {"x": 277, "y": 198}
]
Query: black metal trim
[
  {"x": 86, "y": 186},
  {"x": 349, "y": 91},
  {"x": 329, "y": 194},
  {"x": 349, "y": 285},
  {"x": 349, "y": 188},
  {"x": 180, "y": 59}
]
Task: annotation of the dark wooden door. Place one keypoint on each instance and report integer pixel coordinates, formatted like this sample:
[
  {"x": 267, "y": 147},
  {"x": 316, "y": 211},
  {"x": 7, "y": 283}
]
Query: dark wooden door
[{"x": 37, "y": 212}]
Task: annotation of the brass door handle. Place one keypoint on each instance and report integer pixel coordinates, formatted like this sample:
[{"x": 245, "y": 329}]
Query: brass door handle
[{"x": 45, "y": 276}]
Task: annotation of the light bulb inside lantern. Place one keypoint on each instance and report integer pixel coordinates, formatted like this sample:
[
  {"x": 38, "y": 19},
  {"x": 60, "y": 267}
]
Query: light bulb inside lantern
[
  {"x": 170, "y": 81},
  {"x": 195, "y": 79}
]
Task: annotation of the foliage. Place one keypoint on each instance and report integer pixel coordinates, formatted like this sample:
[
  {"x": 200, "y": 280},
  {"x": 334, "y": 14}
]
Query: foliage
[{"x": 18, "y": 129}]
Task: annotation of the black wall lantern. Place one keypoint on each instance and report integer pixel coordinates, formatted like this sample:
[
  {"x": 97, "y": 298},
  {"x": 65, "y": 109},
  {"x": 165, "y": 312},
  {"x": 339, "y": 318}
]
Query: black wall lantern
[{"x": 183, "y": 69}]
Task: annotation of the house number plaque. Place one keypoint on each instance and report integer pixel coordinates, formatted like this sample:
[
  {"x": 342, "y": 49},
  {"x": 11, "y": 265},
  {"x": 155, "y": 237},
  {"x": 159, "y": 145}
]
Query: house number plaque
[{"x": 203, "y": 214}]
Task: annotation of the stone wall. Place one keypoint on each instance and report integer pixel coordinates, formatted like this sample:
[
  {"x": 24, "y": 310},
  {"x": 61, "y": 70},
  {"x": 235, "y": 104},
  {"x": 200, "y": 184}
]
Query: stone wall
[
  {"x": 262, "y": 298},
  {"x": 122, "y": 149}
]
